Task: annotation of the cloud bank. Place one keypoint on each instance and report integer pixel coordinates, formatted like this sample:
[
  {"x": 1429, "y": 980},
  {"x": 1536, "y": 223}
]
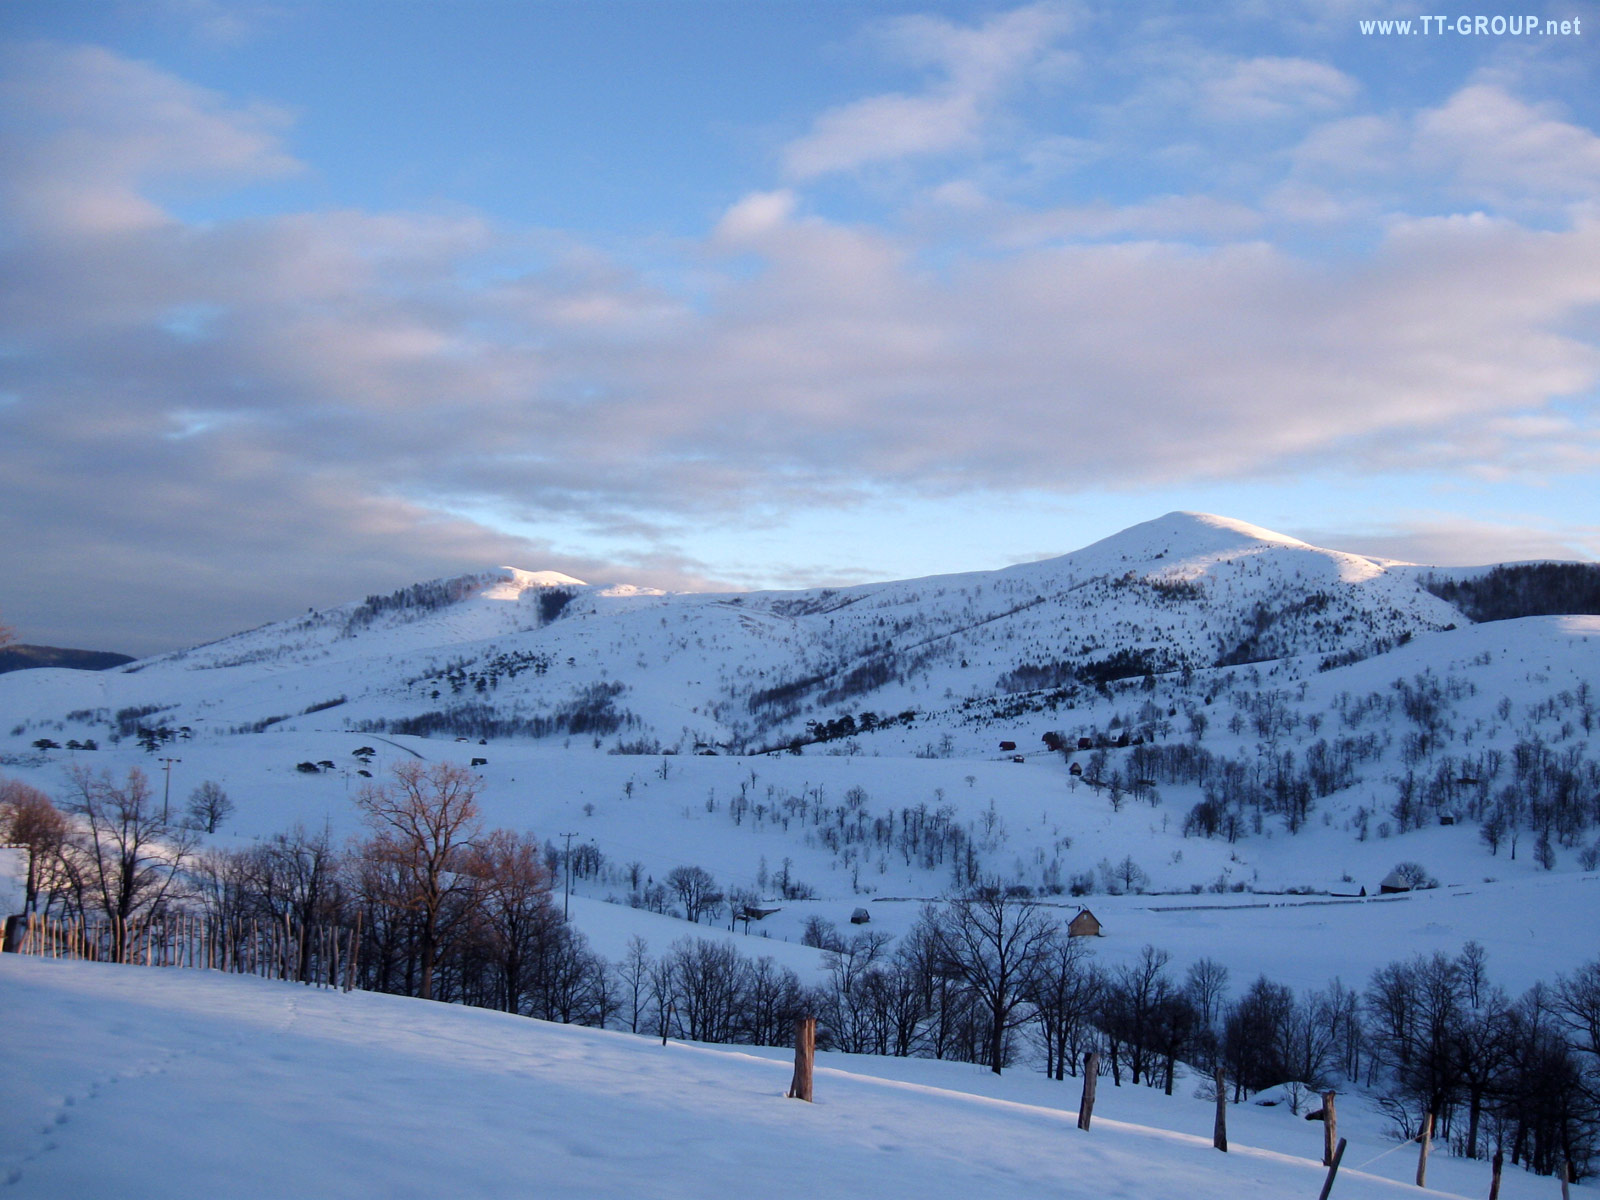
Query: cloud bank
[{"x": 265, "y": 409}]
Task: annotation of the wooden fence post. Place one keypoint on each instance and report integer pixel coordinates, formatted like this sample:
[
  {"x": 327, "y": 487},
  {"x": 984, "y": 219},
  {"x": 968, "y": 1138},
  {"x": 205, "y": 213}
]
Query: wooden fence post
[
  {"x": 1494, "y": 1178},
  {"x": 1091, "y": 1074},
  {"x": 1330, "y": 1128},
  {"x": 350, "y": 959},
  {"x": 1427, "y": 1144},
  {"x": 805, "y": 1051},
  {"x": 1333, "y": 1170},
  {"x": 1219, "y": 1129}
]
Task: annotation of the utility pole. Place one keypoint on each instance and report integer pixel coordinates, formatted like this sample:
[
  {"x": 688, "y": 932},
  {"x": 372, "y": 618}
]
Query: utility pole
[
  {"x": 166, "y": 793},
  {"x": 566, "y": 875}
]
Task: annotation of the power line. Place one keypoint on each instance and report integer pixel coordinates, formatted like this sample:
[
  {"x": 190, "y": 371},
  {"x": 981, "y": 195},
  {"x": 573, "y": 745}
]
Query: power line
[
  {"x": 566, "y": 876},
  {"x": 166, "y": 794}
]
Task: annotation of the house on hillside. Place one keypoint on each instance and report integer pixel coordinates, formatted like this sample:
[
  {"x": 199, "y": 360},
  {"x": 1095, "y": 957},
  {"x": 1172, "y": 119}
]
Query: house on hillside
[
  {"x": 1085, "y": 924},
  {"x": 1394, "y": 882}
]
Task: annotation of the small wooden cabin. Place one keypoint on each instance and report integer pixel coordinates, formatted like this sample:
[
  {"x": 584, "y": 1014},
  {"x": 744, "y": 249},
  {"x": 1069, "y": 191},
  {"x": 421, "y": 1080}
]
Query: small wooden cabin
[{"x": 1085, "y": 924}]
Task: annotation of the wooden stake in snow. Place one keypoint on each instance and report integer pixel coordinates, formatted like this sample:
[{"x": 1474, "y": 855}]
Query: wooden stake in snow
[
  {"x": 805, "y": 1052},
  {"x": 1427, "y": 1144},
  {"x": 1091, "y": 1073},
  {"x": 1494, "y": 1179},
  {"x": 350, "y": 959},
  {"x": 1333, "y": 1170},
  {"x": 1330, "y": 1128},
  {"x": 1219, "y": 1129}
]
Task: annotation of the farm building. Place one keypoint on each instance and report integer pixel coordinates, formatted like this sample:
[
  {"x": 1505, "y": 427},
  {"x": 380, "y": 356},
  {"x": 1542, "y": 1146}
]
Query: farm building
[{"x": 1085, "y": 924}]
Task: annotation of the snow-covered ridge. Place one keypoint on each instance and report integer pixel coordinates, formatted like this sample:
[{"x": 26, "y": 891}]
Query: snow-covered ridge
[{"x": 1186, "y": 591}]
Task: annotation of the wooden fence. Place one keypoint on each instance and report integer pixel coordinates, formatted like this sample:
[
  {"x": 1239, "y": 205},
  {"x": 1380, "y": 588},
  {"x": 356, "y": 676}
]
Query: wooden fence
[{"x": 316, "y": 955}]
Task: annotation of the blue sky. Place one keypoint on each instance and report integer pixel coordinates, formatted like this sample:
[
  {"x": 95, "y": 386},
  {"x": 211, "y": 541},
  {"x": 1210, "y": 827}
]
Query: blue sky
[{"x": 303, "y": 301}]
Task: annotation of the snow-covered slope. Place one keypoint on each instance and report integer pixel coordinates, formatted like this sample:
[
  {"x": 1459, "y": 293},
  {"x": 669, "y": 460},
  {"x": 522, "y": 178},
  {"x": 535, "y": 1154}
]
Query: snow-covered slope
[
  {"x": 141, "y": 1083},
  {"x": 1254, "y": 712},
  {"x": 541, "y": 652}
]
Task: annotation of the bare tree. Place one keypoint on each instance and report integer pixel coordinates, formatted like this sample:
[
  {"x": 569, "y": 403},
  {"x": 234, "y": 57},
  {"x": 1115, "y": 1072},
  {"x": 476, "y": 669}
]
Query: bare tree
[
  {"x": 1578, "y": 1006},
  {"x": 209, "y": 806},
  {"x": 515, "y": 908},
  {"x": 129, "y": 855},
  {"x": 846, "y": 1011},
  {"x": 633, "y": 973},
  {"x": 996, "y": 947},
  {"x": 696, "y": 890},
  {"x": 420, "y": 823},
  {"x": 28, "y": 818},
  {"x": 1141, "y": 1015},
  {"x": 1064, "y": 995}
]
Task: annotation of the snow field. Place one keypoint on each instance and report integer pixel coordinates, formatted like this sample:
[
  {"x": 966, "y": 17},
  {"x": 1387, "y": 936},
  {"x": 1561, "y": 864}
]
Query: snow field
[{"x": 141, "y": 1083}]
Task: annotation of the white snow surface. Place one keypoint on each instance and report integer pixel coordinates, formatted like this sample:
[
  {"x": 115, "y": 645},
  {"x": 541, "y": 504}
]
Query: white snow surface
[
  {"x": 149, "y": 1084},
  {"x": 692, "y": 665},
  {"x": 124, "y": 1082}
]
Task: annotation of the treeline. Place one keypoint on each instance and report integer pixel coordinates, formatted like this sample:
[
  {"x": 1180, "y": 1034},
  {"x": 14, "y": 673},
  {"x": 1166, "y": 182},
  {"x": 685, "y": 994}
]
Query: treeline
[
  {"x": 1095, "y": 673},
  {"x": 417, "y": 598},
  {"x": 1525, "y": 590},
  {"x": 443, "y": 908},
  {"x": 996, "y": 981},
  {"x": 591, "y": 711}
]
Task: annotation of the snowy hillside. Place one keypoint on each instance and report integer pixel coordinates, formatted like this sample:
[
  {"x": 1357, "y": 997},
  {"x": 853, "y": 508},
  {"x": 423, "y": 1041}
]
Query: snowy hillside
[
  {"x": 1224, "y": 707},
  {"x": 138, "y": 1083},
  {"x": 511, "y": 651},
  {"x": 1222, "y": 742}
]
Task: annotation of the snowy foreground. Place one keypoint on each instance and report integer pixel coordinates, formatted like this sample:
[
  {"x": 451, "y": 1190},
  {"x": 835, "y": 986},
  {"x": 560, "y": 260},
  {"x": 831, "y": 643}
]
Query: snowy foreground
[{"x": 130, "y": 1082}]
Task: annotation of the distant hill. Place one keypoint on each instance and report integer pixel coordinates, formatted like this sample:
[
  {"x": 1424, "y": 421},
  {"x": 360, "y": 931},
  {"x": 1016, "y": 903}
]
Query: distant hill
[{"x": 22, "y": 658}]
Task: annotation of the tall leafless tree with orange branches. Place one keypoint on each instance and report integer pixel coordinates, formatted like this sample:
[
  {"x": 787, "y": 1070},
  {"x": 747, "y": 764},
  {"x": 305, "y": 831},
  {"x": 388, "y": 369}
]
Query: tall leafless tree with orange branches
[{"x": 423, "y": 822}]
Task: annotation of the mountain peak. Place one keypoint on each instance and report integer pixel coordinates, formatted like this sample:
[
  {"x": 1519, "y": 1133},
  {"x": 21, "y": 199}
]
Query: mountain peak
[
  {"x": 1180, "y": 535},
  {"x": 532, "y": 579}
]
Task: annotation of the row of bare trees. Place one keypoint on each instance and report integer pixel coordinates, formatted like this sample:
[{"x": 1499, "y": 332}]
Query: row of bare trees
[
  {"x": 995, "y": 980},
  {"x": 446, "y": 908}
]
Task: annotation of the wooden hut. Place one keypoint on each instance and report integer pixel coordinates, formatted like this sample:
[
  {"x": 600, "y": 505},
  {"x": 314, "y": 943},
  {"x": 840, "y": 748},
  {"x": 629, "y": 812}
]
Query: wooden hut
[{"x": 1085, "y": 924}]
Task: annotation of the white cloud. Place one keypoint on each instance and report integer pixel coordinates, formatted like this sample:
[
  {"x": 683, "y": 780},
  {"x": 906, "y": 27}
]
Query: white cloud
[
  {"x": 1449, "y": 540},
  {"x": 1176, "y": 217},
  {"x": 975, "y": 66},
  {"x": 101, "y": 127},
  {"x": 1482, "y": 145},
  {"x": 1500, "y": 147},
  {"x": 754, "y": 215},
  {"x": 1269, "y": 88},
  {"x": 346, "y": 369}
]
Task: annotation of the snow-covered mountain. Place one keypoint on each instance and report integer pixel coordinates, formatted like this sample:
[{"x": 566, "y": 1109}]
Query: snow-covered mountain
[
  {"x": 1192, "y": 709},
  {"x": 1235, "y": 684},
  {"x": 505, "y": 650}
]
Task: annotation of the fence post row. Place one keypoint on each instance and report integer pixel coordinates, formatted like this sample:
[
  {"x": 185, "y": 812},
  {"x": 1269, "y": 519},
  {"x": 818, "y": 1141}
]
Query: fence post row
[{"x": 320, "y": 955}]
